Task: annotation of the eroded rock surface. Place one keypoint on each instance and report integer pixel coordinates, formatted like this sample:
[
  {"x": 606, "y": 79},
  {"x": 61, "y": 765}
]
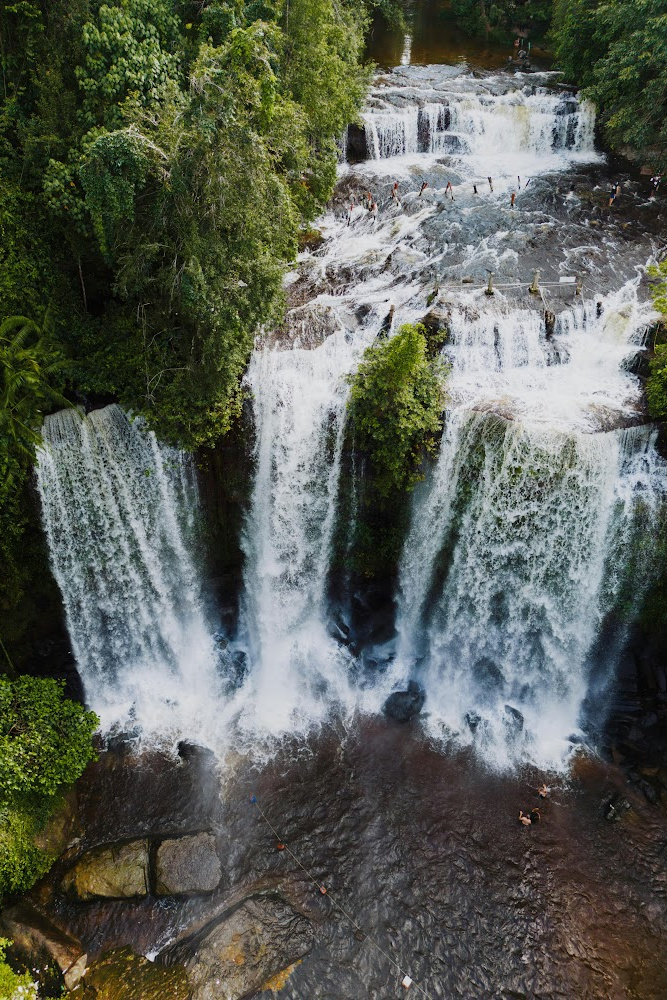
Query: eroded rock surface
[{"x": 37, "y": 940}]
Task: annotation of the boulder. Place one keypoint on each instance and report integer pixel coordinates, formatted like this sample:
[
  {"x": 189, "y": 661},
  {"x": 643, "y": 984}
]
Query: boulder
[
  {"x": 119, "y": 871},
  {"x": 187, "y": 865},
  {"x": 405, "y": 705},
  {"x": 244, "y": 950},
  {"x": 39, "y": 942}
]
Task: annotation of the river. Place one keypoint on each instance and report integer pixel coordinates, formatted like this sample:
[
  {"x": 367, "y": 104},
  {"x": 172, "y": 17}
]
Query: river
[{"x": 517, "y": 567}]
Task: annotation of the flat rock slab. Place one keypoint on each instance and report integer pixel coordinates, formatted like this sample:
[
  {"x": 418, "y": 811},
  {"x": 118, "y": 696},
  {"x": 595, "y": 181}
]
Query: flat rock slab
[
  {"x": 116, "y": 872},
  {"x": 245, "y": 950},
  {"x": 187, "y": 865}
]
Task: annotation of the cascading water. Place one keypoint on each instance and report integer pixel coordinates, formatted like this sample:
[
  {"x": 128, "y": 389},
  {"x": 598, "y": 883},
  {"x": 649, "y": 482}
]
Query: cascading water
[
  {"x": 425, "y": 110},
  {"x": 520, "y": 536},
  {"x": 299, "y": 398},
  {"x": 119, "y": 514}
]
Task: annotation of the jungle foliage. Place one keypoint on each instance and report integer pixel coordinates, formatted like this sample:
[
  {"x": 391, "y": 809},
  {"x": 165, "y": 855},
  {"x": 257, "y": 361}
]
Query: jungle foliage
[
  {"x": 656, "y": 385},
  {"x": 158, "y": 159},
  {"x": 396, "y": 407},
  {"x": 45, "y": 744},
  {"x": 617, "y": 51}
]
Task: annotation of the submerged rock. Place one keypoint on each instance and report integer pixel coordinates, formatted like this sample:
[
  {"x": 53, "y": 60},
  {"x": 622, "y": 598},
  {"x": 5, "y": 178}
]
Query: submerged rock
[
  {"x": 38, "y": 942},
  {"x": 245, "y": 950},
  {"x": 122, "y": 975},
  {"x": 405, "y": 705},
  {"x": 116, "y": 872},
  {"x": 187, "y": 865}
]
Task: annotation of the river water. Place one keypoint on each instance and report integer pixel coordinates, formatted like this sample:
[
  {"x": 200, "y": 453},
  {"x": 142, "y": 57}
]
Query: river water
[{"x": 519, "y": 553}]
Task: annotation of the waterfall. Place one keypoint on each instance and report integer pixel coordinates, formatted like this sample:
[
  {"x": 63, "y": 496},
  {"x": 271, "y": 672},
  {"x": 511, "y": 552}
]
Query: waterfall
[
  {"x": 521, "y": 541},
  {"x": 119, "y": 512},
  {"x": 492, "y": 127},
  {"x": 516, "y": 554},
  {"x": 522, "y": 537},
  {"x": 299, "y": 399}
]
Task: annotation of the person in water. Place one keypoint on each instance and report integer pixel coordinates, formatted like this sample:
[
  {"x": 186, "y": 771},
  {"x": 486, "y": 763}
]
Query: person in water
[
  {"x": 523, "y": 819},
  {"x": 512, "y": 199},
  {"x": 543, "y": 791},
  {"x": 490, "y": 180},
  {"x": 474, "y": 187},
  {"x": 535, "y": 815},
  {"x": 450, "y": 189},
  {"x": 374, "y": 211},
  {"x": 614, "y": 192},
  {"x": 655, "y": 183},
  {"x": 423, "y": 188}
]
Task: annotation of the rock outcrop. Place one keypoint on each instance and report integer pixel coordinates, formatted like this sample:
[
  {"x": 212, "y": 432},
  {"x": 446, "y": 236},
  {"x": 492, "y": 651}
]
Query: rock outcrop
[{"x": 405, "y": 705}]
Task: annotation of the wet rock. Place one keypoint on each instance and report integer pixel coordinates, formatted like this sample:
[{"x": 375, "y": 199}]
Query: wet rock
[
  {"x": 116, "y": 872},
  {"x": 387, "y": 323},
  {"x": 405, "y": 705},
  {"x": 549, "y": 322},
  {"x": 38, "y": 942},
  {"x": 245, "y": 949},
  {"x": 122, "y": 975},
  {"x": 339, "y": 631},
  {"x": 616, "y": 809},
  {"x": 473, "y": 720},
  {"x": 187, "y": 865},
  {"x": 513, "y": 718},
  {"x": 357, "y": 144}
]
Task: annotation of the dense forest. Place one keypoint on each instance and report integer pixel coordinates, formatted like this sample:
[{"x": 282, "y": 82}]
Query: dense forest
[{"x": 160, "y": 161}]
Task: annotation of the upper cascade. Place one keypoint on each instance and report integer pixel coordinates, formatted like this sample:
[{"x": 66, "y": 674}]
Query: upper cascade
[{"x": 435, "y": 110}]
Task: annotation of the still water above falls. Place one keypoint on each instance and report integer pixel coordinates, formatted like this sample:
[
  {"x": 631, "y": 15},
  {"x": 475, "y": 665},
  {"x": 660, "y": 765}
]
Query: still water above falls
[{"x": 520, "y": 553}]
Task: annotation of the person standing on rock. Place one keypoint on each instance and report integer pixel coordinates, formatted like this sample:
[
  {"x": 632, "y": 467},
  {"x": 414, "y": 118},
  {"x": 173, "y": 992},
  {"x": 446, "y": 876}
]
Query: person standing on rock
[
  {"x": 490, "y": 180},
  {"x": 449, "y": 189},
  {"x": 655, "y": 183},
  {"x": 512, "y": 199},
  {"x": 423, "y": 188},
  {"x": 374, "y": 211},
  {"x": 394, "y": 193}
]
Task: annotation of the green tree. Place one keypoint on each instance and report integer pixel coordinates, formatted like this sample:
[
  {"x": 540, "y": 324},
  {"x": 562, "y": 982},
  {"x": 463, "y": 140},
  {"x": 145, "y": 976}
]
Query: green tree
[
  {"x": 618, "y": 52},
  {"x": 396, "y": 407}
]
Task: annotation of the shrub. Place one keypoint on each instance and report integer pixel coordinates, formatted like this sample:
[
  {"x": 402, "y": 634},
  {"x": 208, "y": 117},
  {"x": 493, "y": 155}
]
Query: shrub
[
  {"x": 396, "y": 407},
  {"x": 45, "y": 744}
]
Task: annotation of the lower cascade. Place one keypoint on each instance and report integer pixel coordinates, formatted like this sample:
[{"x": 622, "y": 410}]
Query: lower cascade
[{"x": 518, "y": 578}]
